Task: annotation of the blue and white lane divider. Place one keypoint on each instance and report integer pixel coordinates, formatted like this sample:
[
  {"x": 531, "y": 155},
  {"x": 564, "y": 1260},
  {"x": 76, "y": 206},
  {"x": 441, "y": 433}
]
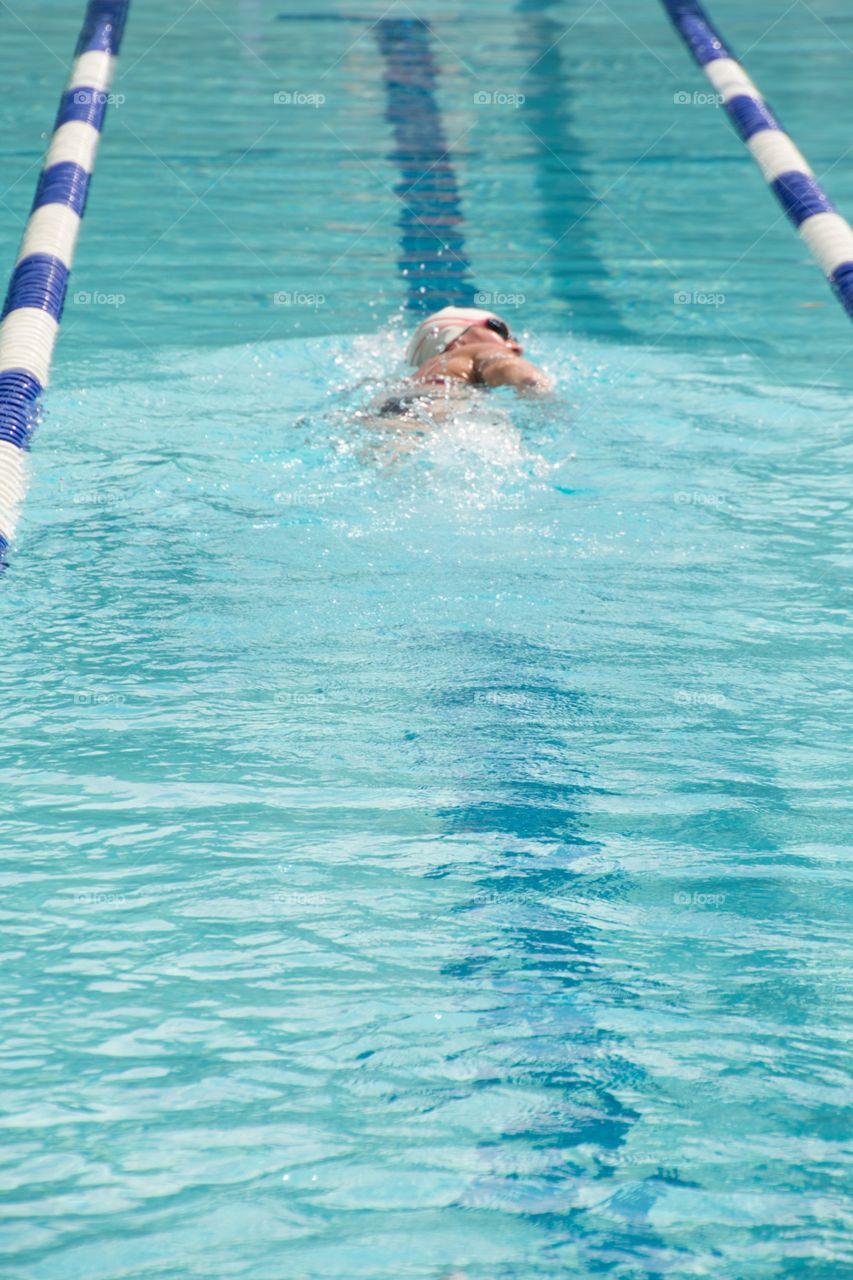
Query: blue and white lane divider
[
  {"x": 827, "y": 234},
  {"x": 36, "y": 294}
]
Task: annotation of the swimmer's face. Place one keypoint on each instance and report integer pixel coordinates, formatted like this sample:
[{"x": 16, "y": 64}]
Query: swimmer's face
[{"x": 480, "y": 335}]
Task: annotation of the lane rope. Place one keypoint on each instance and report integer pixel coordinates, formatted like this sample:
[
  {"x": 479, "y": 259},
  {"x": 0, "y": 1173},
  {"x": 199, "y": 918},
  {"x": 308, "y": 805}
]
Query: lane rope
[
  {"x": 786, "y": 171},
  {"x": 37, "y": 288}
]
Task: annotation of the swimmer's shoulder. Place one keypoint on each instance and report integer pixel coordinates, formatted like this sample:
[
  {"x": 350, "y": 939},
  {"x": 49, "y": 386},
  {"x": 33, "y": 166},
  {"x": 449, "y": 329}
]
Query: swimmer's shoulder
[{"x": 458, "y": 367}]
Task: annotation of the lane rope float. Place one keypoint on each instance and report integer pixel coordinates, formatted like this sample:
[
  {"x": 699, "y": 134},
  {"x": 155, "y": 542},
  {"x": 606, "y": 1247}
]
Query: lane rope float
[
  {"x": 786, "y": 171},
  {"x": 37, "y": 288}
]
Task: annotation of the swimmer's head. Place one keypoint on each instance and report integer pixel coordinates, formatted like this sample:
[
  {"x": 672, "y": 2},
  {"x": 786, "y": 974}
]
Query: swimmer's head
[{"x": 435, "y": 334}]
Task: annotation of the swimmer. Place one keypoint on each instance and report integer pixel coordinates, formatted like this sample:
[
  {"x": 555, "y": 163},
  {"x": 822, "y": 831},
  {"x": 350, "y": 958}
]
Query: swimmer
[{"x": 457, "y": 348}]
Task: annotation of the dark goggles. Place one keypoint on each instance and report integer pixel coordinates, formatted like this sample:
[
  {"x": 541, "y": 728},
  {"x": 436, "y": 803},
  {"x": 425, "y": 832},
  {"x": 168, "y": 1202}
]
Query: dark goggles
[{"x": 497, "y": 326}]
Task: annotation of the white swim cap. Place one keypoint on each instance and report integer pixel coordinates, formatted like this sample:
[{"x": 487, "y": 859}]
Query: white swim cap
[{"x": 436, "y": 333}]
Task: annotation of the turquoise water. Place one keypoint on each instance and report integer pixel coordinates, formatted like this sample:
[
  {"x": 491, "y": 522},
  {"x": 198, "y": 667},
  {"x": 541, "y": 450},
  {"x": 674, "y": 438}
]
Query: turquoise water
[{"x": 430, "y": 863}]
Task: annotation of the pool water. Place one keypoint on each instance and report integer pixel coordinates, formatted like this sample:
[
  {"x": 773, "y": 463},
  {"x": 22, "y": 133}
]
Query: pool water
[{"x": 427, "y": 858}]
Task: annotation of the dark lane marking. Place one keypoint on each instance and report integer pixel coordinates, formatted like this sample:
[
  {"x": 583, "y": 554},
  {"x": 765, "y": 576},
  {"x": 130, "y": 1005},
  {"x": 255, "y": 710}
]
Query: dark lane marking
[{"x": 433, "y": 259}]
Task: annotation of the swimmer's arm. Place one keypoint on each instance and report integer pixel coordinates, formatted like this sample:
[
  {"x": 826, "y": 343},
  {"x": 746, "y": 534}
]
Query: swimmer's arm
[{"x": 513, "y": 371}]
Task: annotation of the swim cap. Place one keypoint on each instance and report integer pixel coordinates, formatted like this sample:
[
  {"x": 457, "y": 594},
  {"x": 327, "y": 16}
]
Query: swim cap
[{"x": 436, "y": 333}]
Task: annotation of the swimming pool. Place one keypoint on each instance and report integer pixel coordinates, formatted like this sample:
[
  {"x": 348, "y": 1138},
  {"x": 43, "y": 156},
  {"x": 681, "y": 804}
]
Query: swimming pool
[{"x": 435, "y": 864}]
